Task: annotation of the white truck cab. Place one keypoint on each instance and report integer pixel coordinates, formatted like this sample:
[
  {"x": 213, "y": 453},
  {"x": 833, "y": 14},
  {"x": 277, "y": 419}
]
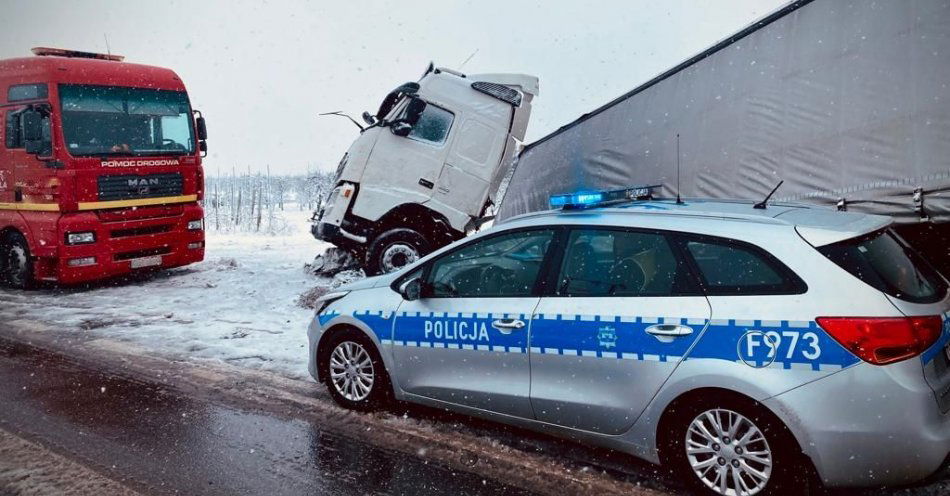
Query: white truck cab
[{"x": 427, "y": 167}]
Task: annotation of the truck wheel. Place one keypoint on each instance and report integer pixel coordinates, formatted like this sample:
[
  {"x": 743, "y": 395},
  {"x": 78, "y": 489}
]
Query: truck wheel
[
  {"x": 354, "y": 372},
  {"x": 16, "y": 264},
  {"x": 725, "y": 447},
  {"x": 395, "y": 249}
]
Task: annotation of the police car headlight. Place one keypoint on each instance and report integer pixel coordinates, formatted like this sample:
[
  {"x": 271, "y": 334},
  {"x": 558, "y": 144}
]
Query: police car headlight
[
  {"x": 324, "y": 301},
  {"x": 80, "y": 238},
  {"x": 196, "y": 225}
]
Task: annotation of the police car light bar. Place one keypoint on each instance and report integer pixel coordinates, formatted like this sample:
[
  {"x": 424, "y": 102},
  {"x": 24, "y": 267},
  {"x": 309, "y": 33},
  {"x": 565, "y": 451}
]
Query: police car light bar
[{"x": 599, "y": 198}]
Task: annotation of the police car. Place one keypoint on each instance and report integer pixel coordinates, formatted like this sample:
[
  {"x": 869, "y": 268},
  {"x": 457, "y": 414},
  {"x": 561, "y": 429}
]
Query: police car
[{"x": 739, "y": 345}]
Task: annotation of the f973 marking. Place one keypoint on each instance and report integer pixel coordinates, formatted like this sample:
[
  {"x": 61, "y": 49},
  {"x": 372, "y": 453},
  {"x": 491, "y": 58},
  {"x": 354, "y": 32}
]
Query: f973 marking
[{"x": 806, "y": 343}]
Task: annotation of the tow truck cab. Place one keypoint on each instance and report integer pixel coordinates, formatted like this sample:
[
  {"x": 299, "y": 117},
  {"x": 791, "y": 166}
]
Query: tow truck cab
[
  {"x": 427, "y": 167},
  {"x": 100, "y": 168}
]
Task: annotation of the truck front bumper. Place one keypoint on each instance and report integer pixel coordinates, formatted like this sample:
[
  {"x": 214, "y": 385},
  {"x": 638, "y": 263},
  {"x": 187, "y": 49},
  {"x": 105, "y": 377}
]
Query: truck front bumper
[{"x": 125, "y": 247}]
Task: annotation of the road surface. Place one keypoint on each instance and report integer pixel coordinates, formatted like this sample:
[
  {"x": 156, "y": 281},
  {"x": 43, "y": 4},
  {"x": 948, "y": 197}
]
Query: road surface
[{"x": 150, "y": 439}]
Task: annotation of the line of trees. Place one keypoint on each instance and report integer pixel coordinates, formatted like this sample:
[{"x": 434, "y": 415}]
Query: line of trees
[{"x": 248, "y": 201}]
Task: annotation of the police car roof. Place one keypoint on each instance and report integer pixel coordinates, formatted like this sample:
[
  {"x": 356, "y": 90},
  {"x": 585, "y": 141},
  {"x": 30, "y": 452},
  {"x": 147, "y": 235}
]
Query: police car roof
[{"x": 819, "y": 225}]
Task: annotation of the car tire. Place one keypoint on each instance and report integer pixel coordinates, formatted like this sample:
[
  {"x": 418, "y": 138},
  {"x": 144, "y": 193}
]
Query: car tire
[
  {"x": 16, "y": 262},
  {"x": 713, "y": 456},
  {"x": 365, "y": 385},
  {"x": 394, "y": 249}
]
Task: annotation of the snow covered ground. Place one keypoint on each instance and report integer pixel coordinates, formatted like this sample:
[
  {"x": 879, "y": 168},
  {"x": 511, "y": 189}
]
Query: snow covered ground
[{"x": 238, "y": 306}]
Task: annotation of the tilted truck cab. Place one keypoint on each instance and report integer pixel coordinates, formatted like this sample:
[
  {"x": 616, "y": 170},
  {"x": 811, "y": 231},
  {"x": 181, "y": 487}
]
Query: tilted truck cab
[
  {"x": 100, "y": 169},
  {"x": 427, "y": 167}
]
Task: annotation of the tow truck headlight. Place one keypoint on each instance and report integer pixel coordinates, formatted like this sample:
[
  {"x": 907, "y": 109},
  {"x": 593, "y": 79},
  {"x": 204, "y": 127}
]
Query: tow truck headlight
[
  {"x": 196, "y": 225},
  {"x": 80, "y": 238}
]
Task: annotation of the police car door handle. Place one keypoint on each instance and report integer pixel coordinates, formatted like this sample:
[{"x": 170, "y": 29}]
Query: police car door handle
[
  {"x": 672, "y": 330},
  {"x": 505, "y": 326}
]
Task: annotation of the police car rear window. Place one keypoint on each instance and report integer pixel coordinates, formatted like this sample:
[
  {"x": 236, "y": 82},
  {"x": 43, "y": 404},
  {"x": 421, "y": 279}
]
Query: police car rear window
[
  {"x": 733, "y": 268},
  {"x": 884, "y": 261}
]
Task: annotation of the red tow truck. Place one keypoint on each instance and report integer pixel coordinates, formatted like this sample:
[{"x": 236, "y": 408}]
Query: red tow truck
[{"x": 100, "y": 169}]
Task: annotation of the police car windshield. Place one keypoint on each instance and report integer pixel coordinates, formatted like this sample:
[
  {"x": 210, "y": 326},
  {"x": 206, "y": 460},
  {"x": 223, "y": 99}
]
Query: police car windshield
[{"x": 112, "y": 120}]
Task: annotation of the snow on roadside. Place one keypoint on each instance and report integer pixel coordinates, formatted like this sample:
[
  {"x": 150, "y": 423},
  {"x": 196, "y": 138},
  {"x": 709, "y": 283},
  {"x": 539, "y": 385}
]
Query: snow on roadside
[{"x": 238, "y": 306}]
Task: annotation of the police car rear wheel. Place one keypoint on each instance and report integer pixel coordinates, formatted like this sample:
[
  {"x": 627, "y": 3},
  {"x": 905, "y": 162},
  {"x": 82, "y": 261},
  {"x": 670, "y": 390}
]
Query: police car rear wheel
[
  {"x": 354, "y": 373},
  {"x": 731, "y": 448},
  {"x": 728, "y": 453}
]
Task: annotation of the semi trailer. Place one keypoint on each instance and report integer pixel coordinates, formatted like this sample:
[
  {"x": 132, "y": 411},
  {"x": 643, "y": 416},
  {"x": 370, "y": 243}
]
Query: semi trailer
[
  {"x": 847, "y": 104},
  {"x": 100, "y": 169}
]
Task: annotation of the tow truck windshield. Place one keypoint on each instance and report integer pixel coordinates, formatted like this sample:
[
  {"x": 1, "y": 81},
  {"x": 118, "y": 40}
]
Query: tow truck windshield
[{"x": 112, "y": 120}]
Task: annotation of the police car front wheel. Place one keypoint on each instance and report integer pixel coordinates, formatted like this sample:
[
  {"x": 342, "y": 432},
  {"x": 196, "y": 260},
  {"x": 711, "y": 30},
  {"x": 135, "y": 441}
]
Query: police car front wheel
[{"x": 353, "y": 372}]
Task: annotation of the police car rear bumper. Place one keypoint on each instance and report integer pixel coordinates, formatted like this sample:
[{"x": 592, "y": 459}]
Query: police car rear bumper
[{"x": 868, "y": 425}]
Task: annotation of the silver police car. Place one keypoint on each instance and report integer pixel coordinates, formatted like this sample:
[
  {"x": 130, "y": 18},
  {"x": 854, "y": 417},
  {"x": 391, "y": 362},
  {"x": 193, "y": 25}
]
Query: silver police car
[{"x": 739, "y": 346}]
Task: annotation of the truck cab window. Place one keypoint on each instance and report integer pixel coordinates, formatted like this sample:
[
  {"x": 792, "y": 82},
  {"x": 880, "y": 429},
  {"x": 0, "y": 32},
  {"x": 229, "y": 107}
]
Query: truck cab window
[
  {"x": 12, "y": 135},
  {"x": 433, "y": 125}
]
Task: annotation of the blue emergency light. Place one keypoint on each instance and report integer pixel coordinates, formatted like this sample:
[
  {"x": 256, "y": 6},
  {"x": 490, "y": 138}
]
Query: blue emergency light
[{"x": 600, "y": 198}]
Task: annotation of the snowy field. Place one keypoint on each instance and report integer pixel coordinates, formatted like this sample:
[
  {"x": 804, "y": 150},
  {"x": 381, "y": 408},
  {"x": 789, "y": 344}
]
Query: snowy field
[{"x": 239, "y": 305}]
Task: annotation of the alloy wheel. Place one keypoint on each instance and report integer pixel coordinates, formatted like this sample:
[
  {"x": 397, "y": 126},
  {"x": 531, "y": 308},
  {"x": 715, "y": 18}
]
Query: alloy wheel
[
  {"x": 351, "y": 371},
  {"x": 728, "y": 453}
]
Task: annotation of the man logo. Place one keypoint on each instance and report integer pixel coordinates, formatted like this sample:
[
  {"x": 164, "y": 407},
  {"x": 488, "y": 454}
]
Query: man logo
[
  {"x": 143, "y": 182},
  {"x": 142, "y": 185}
]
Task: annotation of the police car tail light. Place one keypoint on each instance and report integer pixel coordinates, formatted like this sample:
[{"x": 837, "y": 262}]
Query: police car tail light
[{"x": 883, "y": 340}]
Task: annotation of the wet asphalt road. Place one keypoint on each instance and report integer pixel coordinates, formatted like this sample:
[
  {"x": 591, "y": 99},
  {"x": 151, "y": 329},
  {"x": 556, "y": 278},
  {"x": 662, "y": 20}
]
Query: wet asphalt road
[{"x": 159, "y": 441}]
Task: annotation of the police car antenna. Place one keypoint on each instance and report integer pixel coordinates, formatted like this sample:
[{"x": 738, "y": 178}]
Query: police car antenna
[
  {"x": 761, "y": 204},
  {"x": 679, "y": 201}
]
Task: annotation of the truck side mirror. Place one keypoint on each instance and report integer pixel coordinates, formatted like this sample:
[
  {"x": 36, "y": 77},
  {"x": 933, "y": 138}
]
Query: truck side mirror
[
  {"x": 202, "y": 128},
  {"x": 400, "y": 128},
  {"x": 369, "y": 118},
  {"x": 414, "y": 111},
  {"x": 411, "y": 290},
  {"x": 34, "y": 140},
  {"x": 32, "y": 125}
]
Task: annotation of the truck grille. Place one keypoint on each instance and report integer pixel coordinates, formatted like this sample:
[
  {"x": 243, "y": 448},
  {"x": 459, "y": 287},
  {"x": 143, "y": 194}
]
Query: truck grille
[
  {"x": 151, "y": 252},
  {"x": 130, "y": 187},
  {"x": 140, "y": 231}
]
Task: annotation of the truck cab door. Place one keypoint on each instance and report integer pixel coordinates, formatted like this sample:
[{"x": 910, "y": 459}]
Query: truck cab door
[
  {"x": 22, "y": 172},
  {"x": 475, "y": 156}
]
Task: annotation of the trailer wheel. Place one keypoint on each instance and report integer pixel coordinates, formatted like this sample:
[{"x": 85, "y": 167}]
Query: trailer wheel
[
  {"x": 395, "y": 249},
  {"x": 16, "y": 263}
]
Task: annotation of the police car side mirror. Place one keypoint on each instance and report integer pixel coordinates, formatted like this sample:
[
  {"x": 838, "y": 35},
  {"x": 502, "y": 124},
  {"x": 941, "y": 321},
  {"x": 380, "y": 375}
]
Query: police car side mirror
[{"x": 411, "y": 290}]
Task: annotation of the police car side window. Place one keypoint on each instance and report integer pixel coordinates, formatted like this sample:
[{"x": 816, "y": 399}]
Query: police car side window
[
  {"x": 600, "y": 262},
  {"x": 734, "y": 268},
  {"x": 499, "y": 266}
]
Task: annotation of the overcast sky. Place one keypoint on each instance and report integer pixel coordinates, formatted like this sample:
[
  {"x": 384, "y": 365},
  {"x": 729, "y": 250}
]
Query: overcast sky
[{"x": 262, "y": 71}]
